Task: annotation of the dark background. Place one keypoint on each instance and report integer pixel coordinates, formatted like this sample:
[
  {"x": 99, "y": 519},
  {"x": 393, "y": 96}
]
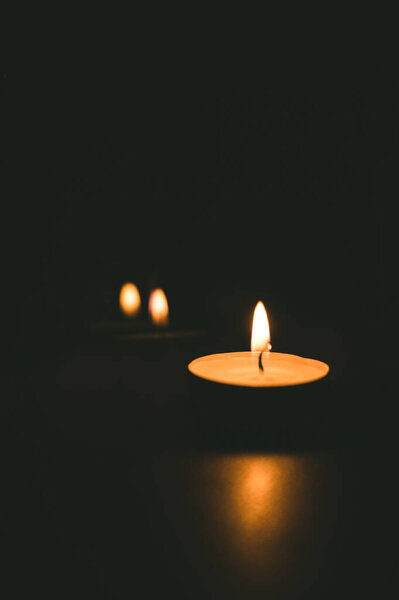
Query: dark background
[
  {"x": 226, "y": 175},
  {"x": 226, "y": 166}
]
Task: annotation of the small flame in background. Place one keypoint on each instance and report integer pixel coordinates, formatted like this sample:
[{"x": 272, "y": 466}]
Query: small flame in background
[
  {"x": 158, "y": 307},
  {"x": 260, "y": 341},
  {"x": 129, "y": 299}
]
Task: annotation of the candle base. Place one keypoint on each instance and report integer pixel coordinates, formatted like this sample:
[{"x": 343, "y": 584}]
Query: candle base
[{"x": 232, "y": 416}]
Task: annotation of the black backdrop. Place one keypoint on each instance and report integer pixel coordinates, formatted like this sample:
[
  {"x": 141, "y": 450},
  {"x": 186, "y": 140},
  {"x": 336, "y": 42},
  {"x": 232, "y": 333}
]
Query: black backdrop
[
  {"x": 226, "y": 176},
  {"x": 227, "y": 173}
]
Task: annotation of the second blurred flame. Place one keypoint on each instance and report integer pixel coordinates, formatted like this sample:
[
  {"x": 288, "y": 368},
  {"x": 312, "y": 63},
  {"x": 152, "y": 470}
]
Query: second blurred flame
[
  {"x": 158, "y": 307},
  {"x": 260, "y": 341}
]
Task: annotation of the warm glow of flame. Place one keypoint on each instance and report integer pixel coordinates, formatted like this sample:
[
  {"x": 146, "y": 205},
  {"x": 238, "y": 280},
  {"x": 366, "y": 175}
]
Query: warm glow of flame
[
  {"x": 256, "y": 496},
  {"x": 255, "y": 492},
  {"x": 129, "y": 299},
  {"x": 158, "y": 307},
  {"x": 260, "y": 504},
  {"x": 260, "y": 341}
]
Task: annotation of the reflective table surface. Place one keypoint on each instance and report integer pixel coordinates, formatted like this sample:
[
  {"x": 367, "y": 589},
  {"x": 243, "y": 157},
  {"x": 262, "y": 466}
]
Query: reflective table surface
[{"x": 109, "y": 492}]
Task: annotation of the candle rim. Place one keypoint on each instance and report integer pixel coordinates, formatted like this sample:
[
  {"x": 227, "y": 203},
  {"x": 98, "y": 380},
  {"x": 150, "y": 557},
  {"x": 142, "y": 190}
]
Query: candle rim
[{"x": 243, "y": 354}]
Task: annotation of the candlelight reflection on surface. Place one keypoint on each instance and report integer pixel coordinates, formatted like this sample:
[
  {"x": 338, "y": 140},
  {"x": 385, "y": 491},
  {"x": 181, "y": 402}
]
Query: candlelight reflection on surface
[
  {"x": 259, "y": 507},
  {"x": 158, "y": 307},
  {"x": 257, "y": 501},
  {"x": 253, "y": 493},
  {"x": 129, "y": 299}
]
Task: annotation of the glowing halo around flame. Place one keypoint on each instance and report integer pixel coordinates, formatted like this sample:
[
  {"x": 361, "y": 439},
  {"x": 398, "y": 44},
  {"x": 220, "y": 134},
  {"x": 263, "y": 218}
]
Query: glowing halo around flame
[
  {"x": 158, "y": 307},
  {"x": 129, "y": 299},
  {"x": 260, "y": 340}
]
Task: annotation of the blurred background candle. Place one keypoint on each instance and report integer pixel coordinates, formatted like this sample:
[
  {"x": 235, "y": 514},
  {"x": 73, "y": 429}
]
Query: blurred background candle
[
  {"x": 129, "y": 300},
  {"x": 159, "y": 321},
  {"x": 121, "y": 310},
  {"x": 158, "y": 308}
]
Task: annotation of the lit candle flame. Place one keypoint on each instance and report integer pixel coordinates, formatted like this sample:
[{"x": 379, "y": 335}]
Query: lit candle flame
[
  {"x": 260, "y": 341},
  {"x": 129, "y": 299},
  {"x": 158, "y": 307}
]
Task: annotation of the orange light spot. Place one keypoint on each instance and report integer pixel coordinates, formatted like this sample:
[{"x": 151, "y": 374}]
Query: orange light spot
[
  {"x": 129, "y": 299},
  {"x": 158, "y": 307}
]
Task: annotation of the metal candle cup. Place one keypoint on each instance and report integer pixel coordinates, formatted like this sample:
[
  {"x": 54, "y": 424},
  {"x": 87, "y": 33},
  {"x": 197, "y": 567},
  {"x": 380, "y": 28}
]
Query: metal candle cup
[{"x": 231, "y": 391}]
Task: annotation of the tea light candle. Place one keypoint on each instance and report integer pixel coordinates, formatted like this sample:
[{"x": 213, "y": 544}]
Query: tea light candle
[
  {"x": 158, "y": 308},
  {"x": 259, "y": 368},
  {"x": 129, "y": 299},
  {"x": 131, "y": 323},
  {"x": 124, "y": 308},
  {"x": 158, "y": 329}
]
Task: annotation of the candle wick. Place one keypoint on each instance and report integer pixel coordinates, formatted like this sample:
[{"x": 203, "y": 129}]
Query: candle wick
[{"x": 260, "y": 362}]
